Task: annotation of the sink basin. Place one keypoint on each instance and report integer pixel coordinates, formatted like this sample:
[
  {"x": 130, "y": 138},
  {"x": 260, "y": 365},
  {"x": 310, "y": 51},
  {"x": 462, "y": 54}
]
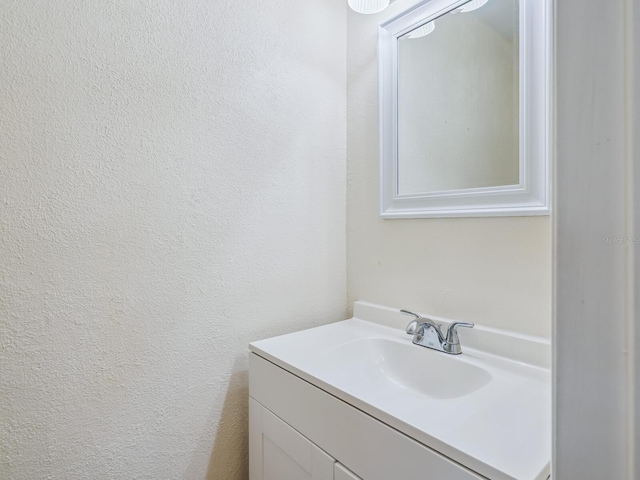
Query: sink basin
[{"x": 389, "y": 363}]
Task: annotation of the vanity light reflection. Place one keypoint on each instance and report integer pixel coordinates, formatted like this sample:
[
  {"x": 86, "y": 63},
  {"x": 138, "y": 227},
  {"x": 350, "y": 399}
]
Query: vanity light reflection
[
  {"x": 368, "y": 6},
  {"x": 422, "y": 31},
  {"x": 376, "y": 6},
  {"x": 471, "y": 6},
  {"x": 427, "y": 28}
]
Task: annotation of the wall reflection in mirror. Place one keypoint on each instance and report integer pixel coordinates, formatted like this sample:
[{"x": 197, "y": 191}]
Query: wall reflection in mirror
[{"x": 458, "y": 100}]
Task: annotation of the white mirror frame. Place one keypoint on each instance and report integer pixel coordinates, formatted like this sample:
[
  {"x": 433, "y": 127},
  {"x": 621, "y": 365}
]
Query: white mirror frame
[{"x": 532, "y": 196}]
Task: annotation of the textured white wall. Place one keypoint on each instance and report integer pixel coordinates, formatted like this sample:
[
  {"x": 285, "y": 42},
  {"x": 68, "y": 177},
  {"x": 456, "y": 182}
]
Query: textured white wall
[
  {"x": 172, "y": 187},
  {"x": 495, "y": 271}
]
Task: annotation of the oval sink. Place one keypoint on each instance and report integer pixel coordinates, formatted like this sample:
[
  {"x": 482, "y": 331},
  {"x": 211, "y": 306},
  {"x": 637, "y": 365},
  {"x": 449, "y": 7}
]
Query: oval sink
[{"x": 435, "y": 374}]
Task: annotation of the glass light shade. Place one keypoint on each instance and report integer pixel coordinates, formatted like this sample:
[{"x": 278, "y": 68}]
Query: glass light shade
[
  {"x": 472, "y": 5},
  {"x": 422, "y": 31},
  {"x": 368, "y": 6}
]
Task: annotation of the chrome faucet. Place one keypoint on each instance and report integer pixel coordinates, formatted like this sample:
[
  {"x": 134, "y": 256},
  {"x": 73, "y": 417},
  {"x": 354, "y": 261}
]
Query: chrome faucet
[{"x": 428, "y": 333}]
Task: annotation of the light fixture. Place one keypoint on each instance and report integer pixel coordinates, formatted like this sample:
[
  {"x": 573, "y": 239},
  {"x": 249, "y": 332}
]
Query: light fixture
[
  {"x": 471, "y": 6},
  {"x": 422, "y": 31},
  {"x": 368, "y": 6}
]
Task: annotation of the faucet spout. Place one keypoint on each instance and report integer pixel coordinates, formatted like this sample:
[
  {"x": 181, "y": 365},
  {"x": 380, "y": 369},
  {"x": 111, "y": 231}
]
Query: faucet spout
[
  {"x": 428, "y": 333},
  {"x": 434, "y": 326}
]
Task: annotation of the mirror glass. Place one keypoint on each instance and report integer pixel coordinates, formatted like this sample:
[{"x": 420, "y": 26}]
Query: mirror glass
[{"x": 458, "y": 100}]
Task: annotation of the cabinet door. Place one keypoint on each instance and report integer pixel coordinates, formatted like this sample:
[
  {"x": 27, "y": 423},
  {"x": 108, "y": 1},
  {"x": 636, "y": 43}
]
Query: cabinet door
[
  {"x": 341, "y": 473},
  {"x": 278, "y": 452}
]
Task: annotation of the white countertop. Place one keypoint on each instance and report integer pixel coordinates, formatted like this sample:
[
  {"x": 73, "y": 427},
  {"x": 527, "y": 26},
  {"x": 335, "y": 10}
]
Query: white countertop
[{"x": 500, "y": 428}]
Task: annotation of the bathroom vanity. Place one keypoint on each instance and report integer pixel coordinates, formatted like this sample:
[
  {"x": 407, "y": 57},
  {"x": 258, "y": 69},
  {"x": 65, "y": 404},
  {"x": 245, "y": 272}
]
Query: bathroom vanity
[
  {"x": 358, "y": 400},
  {"x": 464, "y": 129}
]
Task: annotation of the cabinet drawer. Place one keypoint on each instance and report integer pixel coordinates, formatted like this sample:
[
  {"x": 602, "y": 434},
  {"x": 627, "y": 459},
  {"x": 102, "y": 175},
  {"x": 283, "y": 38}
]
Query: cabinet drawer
[{"x": 371, "y": 449}]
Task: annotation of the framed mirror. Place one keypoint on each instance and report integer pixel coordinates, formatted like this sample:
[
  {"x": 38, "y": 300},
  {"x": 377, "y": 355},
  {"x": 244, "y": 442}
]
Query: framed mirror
[{"x": 465, "y": 109}]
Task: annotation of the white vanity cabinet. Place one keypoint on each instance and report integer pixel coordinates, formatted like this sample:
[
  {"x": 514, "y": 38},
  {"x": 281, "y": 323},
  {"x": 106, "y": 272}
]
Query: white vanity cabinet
[
  {"x": 357, "y": 399},
  {"x": 298, "y": 431},
  {"x": 278, "y": 452}
]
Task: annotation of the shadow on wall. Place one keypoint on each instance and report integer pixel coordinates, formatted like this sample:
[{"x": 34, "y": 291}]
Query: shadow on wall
[{"x": 229, "y": 458}]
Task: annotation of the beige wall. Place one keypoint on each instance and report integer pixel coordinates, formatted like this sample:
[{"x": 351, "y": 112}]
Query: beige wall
[
  {"x": 172, "y": 187},
  {"x": 494, "y": 271}
]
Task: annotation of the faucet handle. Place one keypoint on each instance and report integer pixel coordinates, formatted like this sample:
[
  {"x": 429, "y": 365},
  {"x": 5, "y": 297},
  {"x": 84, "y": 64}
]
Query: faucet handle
[
  {"x": 452, "y": 331},
  {"x": 413, "y": 325}
]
